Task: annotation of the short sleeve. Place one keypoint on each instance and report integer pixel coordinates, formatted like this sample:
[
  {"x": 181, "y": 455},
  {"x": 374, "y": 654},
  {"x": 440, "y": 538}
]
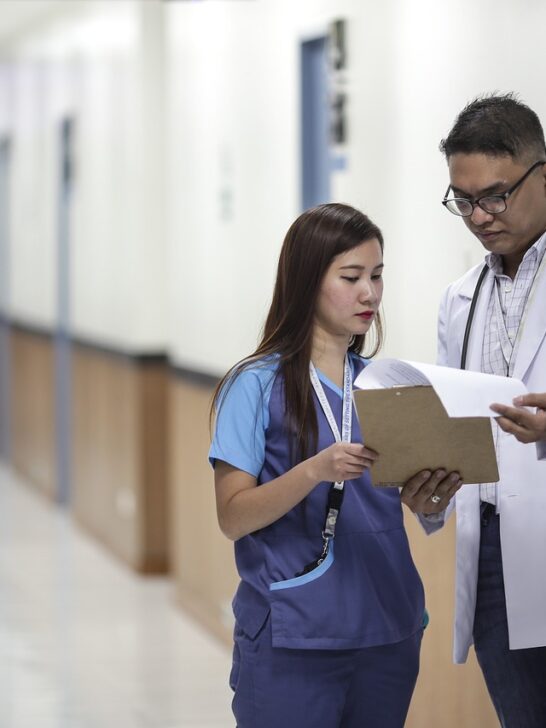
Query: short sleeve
[{"x": 242, "y": 420}]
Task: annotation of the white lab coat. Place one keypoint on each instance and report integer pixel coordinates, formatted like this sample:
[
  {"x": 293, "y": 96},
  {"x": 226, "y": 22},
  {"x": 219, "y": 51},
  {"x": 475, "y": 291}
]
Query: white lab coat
[{"x": 522, "y": 468}]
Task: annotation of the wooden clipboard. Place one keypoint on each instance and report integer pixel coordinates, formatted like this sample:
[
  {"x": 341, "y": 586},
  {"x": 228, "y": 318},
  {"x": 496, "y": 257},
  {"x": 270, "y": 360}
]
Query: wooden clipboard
[{"x": 411, "y": 431}]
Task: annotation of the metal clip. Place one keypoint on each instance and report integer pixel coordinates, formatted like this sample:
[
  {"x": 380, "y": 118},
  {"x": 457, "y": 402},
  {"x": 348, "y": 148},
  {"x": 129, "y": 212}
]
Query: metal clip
[{"x": 325, "y": 547}]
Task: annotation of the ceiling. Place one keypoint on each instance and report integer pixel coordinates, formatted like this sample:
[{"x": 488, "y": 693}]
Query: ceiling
[{"x": 18, "y": 15}]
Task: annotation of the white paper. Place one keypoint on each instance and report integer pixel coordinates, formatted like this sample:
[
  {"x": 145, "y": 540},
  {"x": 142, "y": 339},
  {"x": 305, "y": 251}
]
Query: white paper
[{"x": 463, "y": 393}]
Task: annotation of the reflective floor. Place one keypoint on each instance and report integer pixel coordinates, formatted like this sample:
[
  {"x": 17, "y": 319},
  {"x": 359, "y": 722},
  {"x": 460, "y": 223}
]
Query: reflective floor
[{"x": 85, "y": 643}]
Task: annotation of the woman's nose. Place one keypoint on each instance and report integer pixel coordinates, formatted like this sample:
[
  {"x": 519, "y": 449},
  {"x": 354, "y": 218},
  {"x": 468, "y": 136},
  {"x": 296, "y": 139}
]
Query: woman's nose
[{"x": 367, "y": 293}]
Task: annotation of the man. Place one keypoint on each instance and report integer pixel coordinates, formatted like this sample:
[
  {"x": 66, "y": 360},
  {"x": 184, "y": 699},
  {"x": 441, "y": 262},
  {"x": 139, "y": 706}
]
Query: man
[{"x": 496, "y": 157}]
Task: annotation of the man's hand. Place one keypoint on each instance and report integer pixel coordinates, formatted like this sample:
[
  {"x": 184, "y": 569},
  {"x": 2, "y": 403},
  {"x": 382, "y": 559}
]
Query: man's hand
[
  {"x": 430, "y": 492},
  {"x": 524, "y": 425}
]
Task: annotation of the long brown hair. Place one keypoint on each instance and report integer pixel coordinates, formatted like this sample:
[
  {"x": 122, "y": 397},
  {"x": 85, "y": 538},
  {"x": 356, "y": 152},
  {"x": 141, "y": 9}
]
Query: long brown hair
[{"x": 314, "y": 239}]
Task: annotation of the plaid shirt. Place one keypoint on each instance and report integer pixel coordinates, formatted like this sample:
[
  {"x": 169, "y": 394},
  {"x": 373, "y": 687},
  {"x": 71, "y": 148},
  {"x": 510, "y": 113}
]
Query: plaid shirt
[{"x": 508, "y": 298}]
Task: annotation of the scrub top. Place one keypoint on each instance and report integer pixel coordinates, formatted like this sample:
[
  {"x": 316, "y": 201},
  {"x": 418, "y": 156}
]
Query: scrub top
[{"x": 367, "y": 591}]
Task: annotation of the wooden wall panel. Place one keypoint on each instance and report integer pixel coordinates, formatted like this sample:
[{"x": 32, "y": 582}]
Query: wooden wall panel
[
  {"x": 33, "y": 409},
  {"x": 119, "y": 451},
  {"x": 202, "y": 558},
  {"x": 153, "y": 447},
  {"x": 446, "y": 695}
]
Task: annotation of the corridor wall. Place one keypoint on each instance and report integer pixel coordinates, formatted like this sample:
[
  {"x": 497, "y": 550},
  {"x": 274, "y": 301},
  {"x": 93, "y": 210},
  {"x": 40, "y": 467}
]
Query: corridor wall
[
  {"x": 186, "y": 163},
  {"x": 233, "y": 112},
  {"x": 98, "y": 66}
]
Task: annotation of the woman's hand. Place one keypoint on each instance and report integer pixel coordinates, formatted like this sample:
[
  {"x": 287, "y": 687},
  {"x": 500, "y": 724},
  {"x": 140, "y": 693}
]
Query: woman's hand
[
  {"x": 430, "y": 492},
  {"x": 341, "y": 461},
  {"x": 244, "y": 508}
]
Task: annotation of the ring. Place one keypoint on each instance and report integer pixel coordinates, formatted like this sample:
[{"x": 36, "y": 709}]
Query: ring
[{"x": 435, "y": 498}]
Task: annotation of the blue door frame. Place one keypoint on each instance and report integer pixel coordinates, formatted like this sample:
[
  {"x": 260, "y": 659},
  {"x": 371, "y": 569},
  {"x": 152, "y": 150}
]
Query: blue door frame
[
  {"x": 315, "y": 144},
  {"x": 5, "y": 398},
  {"x": 63, "y": 354}
]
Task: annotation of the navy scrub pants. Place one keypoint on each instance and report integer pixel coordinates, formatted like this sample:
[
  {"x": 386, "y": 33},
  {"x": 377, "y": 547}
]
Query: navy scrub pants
[
  {"x": 283, "y": 688},
  {"x": 516, "y": 679}
]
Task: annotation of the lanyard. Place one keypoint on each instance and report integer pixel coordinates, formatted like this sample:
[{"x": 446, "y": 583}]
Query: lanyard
[
  {"x": 335, "y": 496},
  {"x": 347, "y": 416},
  {"x": 508, "y": 347},
  {"x": 336, "y": 491}
]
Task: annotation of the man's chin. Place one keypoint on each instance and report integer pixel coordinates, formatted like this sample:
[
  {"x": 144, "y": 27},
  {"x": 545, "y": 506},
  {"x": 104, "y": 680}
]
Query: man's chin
[{"x": 495, "y": 243}]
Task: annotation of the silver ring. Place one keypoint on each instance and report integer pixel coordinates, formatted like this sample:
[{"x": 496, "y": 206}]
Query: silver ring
[{"x": 435, "y": 498}]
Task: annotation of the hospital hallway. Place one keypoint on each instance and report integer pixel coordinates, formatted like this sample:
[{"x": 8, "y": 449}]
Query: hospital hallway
[
  {"x": 85, "y": 642},
  {"x": 153, "y": 156}
]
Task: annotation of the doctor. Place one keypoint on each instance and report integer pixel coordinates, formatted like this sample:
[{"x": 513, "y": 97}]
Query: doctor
[{"x": 496, "y": 157}]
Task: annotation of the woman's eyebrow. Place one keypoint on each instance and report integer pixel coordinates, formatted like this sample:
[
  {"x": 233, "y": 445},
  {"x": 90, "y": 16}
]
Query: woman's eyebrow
[{"x": 360, "y": 267}]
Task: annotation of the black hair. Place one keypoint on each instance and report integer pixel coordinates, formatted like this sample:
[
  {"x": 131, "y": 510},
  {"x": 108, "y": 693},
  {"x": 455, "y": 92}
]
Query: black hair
[
  {"x": 497, "y": 125},
  {"x": 314, "y": 239}
]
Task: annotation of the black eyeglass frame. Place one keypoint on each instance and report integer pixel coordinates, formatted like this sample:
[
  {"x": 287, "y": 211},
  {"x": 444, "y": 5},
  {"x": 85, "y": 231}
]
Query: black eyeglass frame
[{"x": 502, "y": 196}]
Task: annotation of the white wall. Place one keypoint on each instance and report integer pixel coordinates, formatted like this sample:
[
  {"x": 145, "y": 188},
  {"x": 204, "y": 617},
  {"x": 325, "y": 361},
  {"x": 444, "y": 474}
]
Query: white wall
[
  {"x": 232, "y": 93},
  {"x": 200, "y": 129},
  {"x": 233, "y": 121},
  {"x": 94, "y": 64},
  {"x": 445, "y": 55}
]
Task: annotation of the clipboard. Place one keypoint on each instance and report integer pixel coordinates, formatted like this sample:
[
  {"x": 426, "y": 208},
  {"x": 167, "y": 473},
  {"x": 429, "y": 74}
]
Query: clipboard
[{"x": 410, "y": 429}]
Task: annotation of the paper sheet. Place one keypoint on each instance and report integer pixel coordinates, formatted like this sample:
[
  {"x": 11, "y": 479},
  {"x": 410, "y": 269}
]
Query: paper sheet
[{"x": 462, "y": 393}]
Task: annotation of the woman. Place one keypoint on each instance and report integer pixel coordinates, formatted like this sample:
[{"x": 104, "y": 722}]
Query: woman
[{"x": 328, "y": 630}]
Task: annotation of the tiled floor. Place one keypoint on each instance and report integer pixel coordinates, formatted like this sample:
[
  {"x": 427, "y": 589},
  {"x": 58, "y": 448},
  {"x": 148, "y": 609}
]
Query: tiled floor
[{"x": 84, "y": 643}]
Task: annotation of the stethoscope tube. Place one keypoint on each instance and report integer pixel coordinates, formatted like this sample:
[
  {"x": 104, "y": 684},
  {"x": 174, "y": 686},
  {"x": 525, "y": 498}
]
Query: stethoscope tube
[{"x": 470, "y": 318}]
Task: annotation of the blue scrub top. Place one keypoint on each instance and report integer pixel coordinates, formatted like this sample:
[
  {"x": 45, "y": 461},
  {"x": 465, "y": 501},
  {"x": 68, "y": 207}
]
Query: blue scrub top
[{"x": 367, "y": 592}]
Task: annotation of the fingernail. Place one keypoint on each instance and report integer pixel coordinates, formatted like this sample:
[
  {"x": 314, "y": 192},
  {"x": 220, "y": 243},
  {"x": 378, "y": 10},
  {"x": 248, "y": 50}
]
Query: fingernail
[
  {"x": 518, "y": 401},
  {"x": 426, "y": 474},
  {"x": 454, "y": 477}
]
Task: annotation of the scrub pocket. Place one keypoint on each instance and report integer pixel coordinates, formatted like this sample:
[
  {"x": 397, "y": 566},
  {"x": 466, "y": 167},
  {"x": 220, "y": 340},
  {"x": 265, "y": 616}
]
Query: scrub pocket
[
  {"x": 250, "y": 611},
  {"x": 252, "y": 646},
  {"x": 250, "y": 623},
  {"x": 368, "y": 594},
  {"x": 309, "y": 576}
]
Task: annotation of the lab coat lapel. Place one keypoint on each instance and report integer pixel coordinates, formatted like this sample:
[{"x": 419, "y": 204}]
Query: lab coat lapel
[{"x": 533, "y": 327}]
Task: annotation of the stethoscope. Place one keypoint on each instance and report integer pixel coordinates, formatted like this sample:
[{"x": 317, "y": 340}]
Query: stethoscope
[
  {"x": 474, "y": 301},
  {"x": 471, "y": 314}
]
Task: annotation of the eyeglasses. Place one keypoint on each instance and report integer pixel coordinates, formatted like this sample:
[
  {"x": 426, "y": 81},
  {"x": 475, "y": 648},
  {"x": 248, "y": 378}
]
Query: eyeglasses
[{"x": 493, "y": 204}]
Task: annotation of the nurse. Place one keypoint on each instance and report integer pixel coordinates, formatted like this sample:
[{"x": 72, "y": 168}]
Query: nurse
[{"x": 329, "y": 610}]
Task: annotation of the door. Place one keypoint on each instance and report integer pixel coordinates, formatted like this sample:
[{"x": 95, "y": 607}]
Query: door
[
  {"x": 63, "y": 368},
  {"x": 315, "y": 144},
  {"x": 5, "y": 404}
]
